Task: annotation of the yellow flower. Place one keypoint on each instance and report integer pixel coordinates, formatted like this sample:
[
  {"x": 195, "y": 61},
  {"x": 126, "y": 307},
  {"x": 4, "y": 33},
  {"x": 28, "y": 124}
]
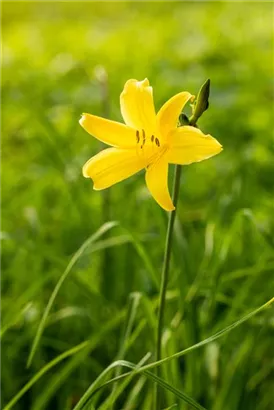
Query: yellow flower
[{"x": 146, "y": 140}]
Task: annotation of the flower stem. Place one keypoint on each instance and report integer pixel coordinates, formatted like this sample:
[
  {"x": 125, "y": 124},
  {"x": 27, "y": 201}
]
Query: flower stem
[
  {"x": 164, "y": 280},
  {"x": 200, "y": 106}
]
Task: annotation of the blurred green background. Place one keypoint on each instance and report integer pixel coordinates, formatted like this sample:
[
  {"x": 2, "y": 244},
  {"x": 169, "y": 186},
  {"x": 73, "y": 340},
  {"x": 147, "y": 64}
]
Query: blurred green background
[{"x": 222, "y": 262}]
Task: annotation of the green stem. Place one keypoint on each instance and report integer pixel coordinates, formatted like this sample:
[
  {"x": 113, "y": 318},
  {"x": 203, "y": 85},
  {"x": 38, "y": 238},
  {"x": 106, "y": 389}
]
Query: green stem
[{"x": 164, "y": 280}]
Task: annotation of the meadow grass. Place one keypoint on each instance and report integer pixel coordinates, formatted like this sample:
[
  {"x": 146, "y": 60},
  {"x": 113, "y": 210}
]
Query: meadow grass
[{"x": 81, "y": 269}]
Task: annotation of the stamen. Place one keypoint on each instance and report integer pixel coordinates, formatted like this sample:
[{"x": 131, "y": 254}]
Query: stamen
[
  {"x": 137, "y": 137},
  {"x": 152, "y": 138},
  {"x": 157, "y": 142},
  {"x": 144, "y": 137}
]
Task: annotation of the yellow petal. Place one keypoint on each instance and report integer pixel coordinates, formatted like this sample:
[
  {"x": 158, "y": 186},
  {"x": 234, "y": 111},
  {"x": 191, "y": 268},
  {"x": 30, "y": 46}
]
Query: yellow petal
[
  {"x": 189, "y": 144},
  {"x": 112, "y": 165},
  {"x": 167, "y": 117},
  {"x": 110, "y": 132},
  {"x": 137, "y": 106},
  {"x": 157, "y": 183}
]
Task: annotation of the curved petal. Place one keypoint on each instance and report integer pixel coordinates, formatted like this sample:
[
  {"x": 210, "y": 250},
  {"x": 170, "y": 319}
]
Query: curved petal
[
  {"x": 157, "y": 183},
  {"x": 189, "y": 144},
  {"x": 167, "y": 117},
  {"x": 110, "y": 132},
  {"x": 110, "y": 166},
  {"x": 137, "y": 106}
]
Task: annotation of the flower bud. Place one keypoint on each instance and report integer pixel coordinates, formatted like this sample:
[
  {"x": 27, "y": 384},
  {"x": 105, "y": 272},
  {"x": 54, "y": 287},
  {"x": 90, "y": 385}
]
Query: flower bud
[{"x": 201, "y": 104}]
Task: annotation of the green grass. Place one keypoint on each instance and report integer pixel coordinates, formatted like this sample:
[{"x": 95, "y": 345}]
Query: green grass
[{"x": 222, "y": 256}]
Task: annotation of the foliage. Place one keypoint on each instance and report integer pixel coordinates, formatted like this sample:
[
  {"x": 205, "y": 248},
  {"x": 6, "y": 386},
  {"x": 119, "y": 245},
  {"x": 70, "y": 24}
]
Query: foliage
[{"x": 222, "y": 266}]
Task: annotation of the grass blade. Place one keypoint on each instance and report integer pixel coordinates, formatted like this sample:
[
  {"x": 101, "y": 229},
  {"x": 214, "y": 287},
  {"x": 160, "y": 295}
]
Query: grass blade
[
  {"x": 87, "y": 344},
  {"x": 93, "y": 388},
  {"x": 103, "y": 229}
]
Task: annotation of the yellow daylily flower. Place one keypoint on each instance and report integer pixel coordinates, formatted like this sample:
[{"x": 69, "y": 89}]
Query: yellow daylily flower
[{"x": 147, "y": 141}]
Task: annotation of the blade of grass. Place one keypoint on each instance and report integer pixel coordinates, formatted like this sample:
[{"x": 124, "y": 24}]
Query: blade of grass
[
  {"x": 87, "y": 344},
  {"x": 44, "y": 370},
  {"x": 158, "y": 380},
  {"x": 93, "y": 389},
  {"x": 56, "y": 381},
  {"x": 134, "y": 301},
  {"x": 18, "y": 306},
  {"x": 110, "y": 401},
  {"x": 104, "y": 228},
  {"x": 135, "y": 392},
  {"x": 228, "y": 389},
  {"x": 149, "y": 307},
  {"x": 118, "y": 390},
  {"x": 140, "y": 249}
]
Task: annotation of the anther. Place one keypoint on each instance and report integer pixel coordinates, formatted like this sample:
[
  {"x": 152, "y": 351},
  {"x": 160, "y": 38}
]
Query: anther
[
  {"x": 144, "y": 138},
  {"x": 152, "y": 138},
  {"x": 137, "y": 137},
  {"x": 157, "y": 142}
]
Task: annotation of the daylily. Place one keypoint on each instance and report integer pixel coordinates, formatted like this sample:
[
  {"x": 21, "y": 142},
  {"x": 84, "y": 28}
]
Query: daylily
[{"x": 146, "y": 140}]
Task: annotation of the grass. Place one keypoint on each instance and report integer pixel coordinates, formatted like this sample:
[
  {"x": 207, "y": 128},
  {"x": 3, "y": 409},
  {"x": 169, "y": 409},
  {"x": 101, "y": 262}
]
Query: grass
[{"x": 105, "y": 310}]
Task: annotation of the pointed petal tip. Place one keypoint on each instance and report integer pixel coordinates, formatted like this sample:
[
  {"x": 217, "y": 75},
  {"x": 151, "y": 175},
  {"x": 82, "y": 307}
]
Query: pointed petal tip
[
  {"x": 171, "y": 209},
  {"x": 145, "y": 82},
  {"x": 97, "y": 188},
  {"x": 218, "y": 146},
  {"x": 190, "y": 145},
  {"x": 82, "y": 119},
  {"x": 84, "y": 172},
  {"x": 131, "y": 83},
  {"x": 166, "y": 207}
]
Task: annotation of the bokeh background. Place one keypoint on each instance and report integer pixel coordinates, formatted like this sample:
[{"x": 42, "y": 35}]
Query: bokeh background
[{"x": 64, "y": 58}]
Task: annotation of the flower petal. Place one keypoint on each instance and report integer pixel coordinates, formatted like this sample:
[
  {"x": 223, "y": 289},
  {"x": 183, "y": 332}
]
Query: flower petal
[
  {"x": 110, "y": 132},
  {"x": 157, "y": 183},
  {"x": 112, "y": 165},
  {"x": 137, "y": 106},
  {"x": 167, "y": 117},
  {"x": 189, "y": 144}
]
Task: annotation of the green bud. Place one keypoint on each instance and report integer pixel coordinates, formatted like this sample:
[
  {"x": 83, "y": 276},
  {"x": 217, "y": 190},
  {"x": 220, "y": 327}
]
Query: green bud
[{"x": 201, "y": 103}]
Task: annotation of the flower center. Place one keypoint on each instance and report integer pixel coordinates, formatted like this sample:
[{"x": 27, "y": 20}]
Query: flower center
[
  {"x": 142, "y": 139},
  {"x": 148, "y": 147}
]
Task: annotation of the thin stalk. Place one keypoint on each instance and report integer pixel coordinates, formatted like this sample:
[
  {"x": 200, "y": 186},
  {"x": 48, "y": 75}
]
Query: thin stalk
[
  {"x": 165, "y": 271},
  {"x": 164, "y": 277}
]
